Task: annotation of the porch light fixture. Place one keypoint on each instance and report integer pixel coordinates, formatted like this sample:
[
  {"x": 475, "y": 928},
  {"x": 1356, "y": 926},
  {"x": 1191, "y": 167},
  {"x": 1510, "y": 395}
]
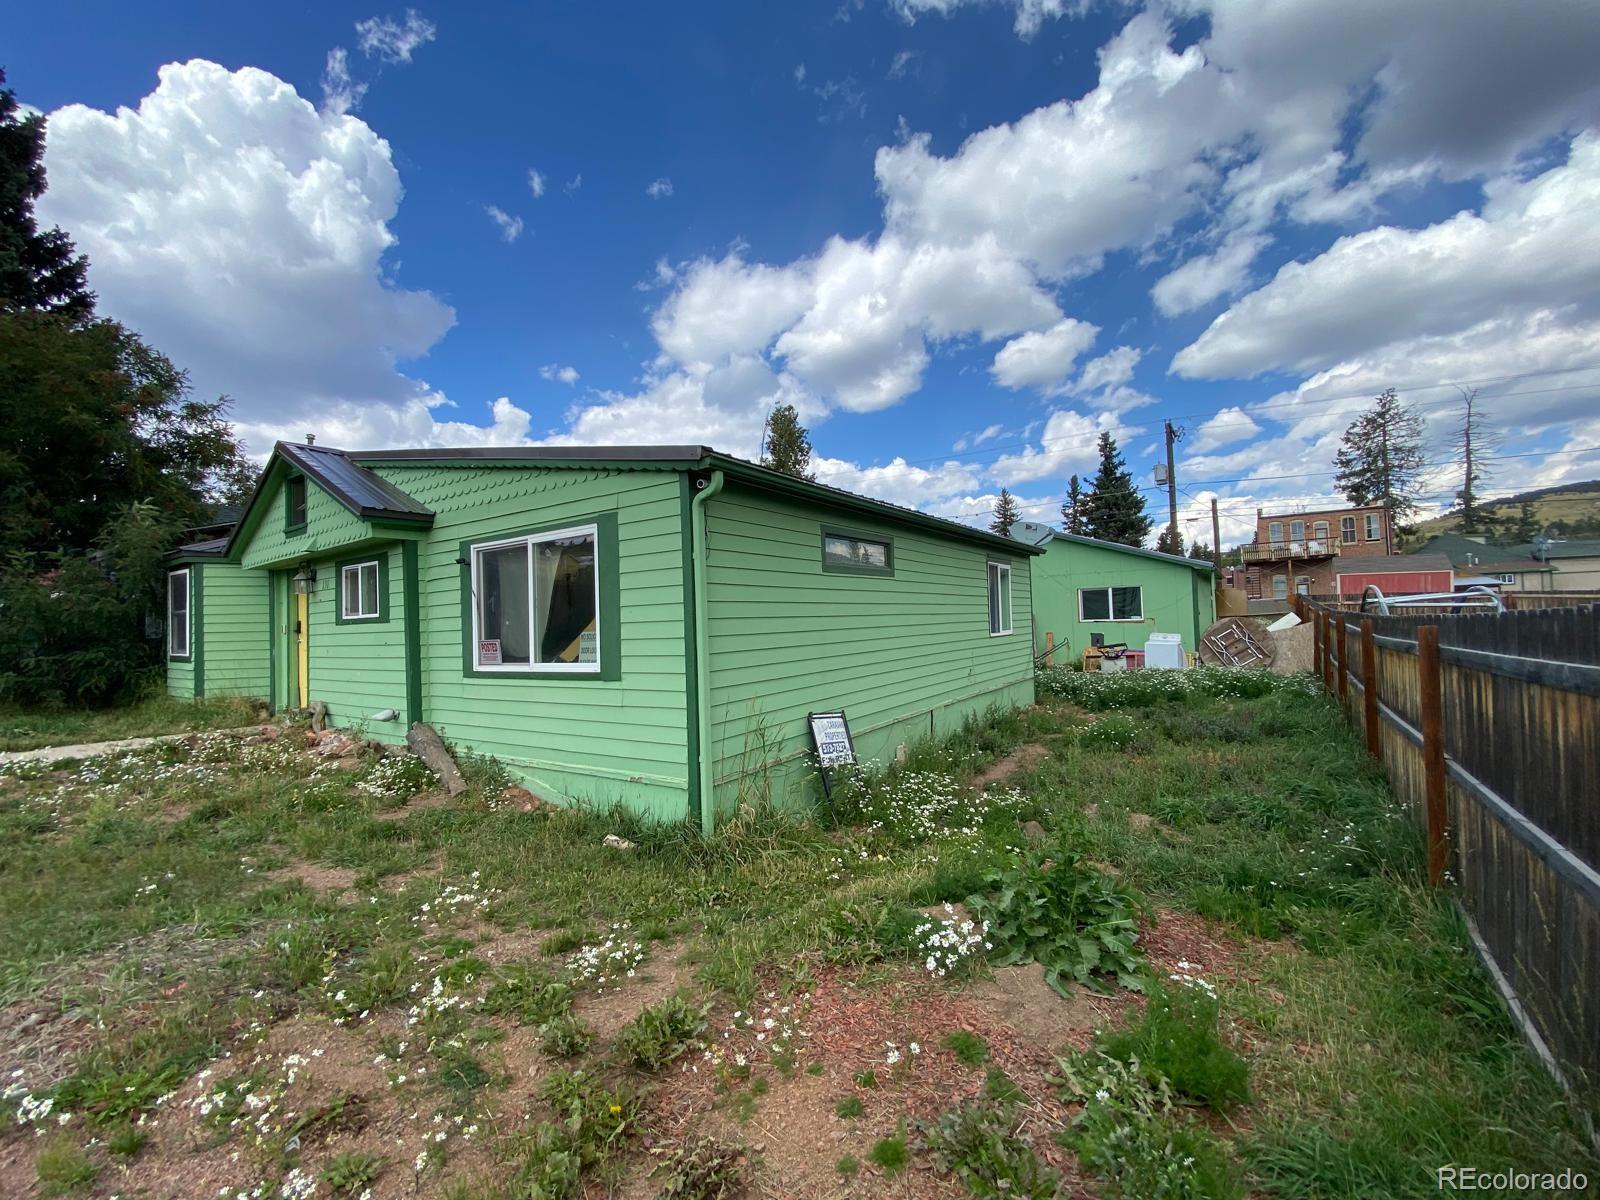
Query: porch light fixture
[{"x": 304, "y": 580}]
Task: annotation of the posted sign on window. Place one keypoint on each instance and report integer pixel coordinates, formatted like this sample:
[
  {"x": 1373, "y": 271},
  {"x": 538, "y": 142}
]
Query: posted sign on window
[{"x": 489, "y": 652}]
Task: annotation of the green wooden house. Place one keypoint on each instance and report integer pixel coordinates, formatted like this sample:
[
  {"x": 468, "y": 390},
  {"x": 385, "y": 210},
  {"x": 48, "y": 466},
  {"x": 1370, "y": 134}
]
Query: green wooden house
[
  {"x": 646, "y": 625},
  {"x": 1083, "y": 586}
]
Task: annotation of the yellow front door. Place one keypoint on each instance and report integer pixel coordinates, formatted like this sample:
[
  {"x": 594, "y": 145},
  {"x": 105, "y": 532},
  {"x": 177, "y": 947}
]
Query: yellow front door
[{"x": 302, "y": 653}]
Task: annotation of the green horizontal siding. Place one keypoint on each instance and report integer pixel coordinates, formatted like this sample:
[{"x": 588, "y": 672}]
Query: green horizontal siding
[
  {"x": 329, "y": 526},
  {"x": 906, "y": 656},
  {"x": 234, "y": 612},
  {"x": 359, "y": 668},
  {"x": 585, "y": 740},
  {"x": 1177, "y": 599}
]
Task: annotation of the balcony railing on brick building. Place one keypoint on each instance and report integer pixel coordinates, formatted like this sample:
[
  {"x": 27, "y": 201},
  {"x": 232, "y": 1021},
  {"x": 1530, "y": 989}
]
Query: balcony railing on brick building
[{"x": 1302, "y": 551}]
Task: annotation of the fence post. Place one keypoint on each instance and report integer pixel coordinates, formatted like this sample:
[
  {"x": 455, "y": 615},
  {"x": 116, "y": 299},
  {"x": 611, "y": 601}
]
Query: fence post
[
  {"x": 1049, "y": 648},
  {"x": 1369, "y": 686},
  {"x": 1327, "y": 652},
  {"x": 1433, "y": 778},
  {"x": 1316, "y": 643},
  {"x": 1342, "y": 640}
]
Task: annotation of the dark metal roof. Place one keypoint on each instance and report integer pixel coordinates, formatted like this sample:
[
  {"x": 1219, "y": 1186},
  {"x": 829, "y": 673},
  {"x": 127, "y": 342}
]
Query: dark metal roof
[
  {"x": 358, "y": 489},
  {"x": 539, "y": 454},
  {"x": 210, "y": 548},
  {"x": 1179, "y": 560},
  {"x": 697, "y": 458}
]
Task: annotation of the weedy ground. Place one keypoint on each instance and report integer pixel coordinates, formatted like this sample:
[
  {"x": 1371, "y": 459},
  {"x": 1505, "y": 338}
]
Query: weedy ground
[
  {"x": 29, "y": 728},
  {"x": 1176, "y": 946}
]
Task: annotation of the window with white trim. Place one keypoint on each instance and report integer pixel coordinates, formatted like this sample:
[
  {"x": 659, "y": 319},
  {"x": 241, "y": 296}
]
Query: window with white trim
[
  {"x": 1280, "y": 587},
  {"x": 999, "y": 599},
  {"x": 358, "y": 592},
  {"x": 1507, "y": 577},
  {"x": 1111, "y": 604},
  {"x": 1297, "y": 531},
  {"x": 536, "y": 603},
  {"x": 178, "y": 614},
  {"x": 1319, "y": 531},
  {"x": 1373, "y": 533},
  {"x": 1275, "y": 533},
  {"x": 1347, "y": 530}
]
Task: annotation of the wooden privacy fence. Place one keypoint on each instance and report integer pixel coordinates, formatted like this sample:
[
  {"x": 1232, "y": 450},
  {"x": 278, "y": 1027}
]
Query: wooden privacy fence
[{"x": 1489, "y": 726}]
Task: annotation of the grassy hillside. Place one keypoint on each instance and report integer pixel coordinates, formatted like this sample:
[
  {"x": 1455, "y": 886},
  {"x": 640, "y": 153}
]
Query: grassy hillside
[{"x": 1572, "y": 509}]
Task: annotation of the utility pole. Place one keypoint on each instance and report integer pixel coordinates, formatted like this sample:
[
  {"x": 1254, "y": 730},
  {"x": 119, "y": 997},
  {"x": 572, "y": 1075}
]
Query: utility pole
[
  {"x": 1174, "y": 434},
  {"x": 1216, "y": 537}
]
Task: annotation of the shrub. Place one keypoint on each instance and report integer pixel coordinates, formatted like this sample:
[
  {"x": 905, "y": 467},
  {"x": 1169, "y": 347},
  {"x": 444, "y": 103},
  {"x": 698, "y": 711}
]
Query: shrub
[
  {"x": 978, "y": 1144},
  {"x": 892, "y": 1154},
  {"x": 1072, "y": 919},
  {"x": 1113, "y": 733},
  {"x": 1176, "y": 1039},
  {"x": 849, "y": 1108},
  {"x": 352, "y": 1171},
  {"x": 661, "y": 1033},
  {"x": 565, "y": 1036}
]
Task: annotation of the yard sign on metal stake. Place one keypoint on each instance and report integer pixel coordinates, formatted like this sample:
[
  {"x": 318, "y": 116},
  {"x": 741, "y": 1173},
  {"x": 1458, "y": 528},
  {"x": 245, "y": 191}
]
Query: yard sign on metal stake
[{"x": 830, "y": 734}]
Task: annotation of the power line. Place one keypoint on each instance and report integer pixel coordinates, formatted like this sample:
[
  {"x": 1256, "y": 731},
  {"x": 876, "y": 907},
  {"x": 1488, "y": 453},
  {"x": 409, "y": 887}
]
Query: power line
[
  {"x": 1296, "y": 475},
  {"x": 1086, "y": 439}
]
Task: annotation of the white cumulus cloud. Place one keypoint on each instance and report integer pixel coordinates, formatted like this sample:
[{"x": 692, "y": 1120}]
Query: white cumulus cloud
[
  {"x": 392, "y": 40},
  {"x": 510, "y": 227}
]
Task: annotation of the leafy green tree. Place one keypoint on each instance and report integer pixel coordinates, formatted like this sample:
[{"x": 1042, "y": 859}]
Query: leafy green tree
[
  {"x": 39, "y": 272},
  {"x": 788, "y": 447},
  {"x": 78, "y": 632},
  {"x": 1114, "y": 509},
  {"x": 1073, "y": 519},
  {"x": 1380, "y": 459},
  {"x": 1006, "y": 514}
]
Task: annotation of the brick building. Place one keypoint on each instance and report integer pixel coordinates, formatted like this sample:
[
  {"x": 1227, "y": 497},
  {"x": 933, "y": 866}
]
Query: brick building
[{"x": 1301, "y": 551}]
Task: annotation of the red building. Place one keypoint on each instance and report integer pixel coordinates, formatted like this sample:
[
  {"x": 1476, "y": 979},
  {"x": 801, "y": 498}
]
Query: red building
[
  {"x": 1306, "y": 551},
  {"x": 1401, "y": 575}
]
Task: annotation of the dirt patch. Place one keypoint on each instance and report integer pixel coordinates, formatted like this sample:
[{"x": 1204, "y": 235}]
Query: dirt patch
[
  {"x": 319, "y": 878},
  {"x": 1021, "y": 759},
  {"x": 663, "y": 973},
  {"x": 1020, "y": 999}
]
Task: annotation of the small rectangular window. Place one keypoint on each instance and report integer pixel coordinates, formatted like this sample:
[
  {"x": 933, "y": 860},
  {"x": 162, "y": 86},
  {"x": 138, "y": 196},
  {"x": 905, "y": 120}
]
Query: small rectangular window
[
  {"x": 359, "y": 598},
  {"x": 1297, "y": 531},
  {"x": 1372, "y": 527},
  {"x": 1320, "y": 531},
  {"x": 1111, "y": 604},
  {"x": 536, "y": 603},
  {"x": 294, "y": 503},
  {"x": 1508, "y": 578},
  {"x": 1347, "y": 530},
  {"x": 999, "y": 599},
  {"x": 1275, "y": 533},
  {"x": 1280, "y": 587},
  {"x": 843, "y": 551},
  {"x": 178, "y": 614}
]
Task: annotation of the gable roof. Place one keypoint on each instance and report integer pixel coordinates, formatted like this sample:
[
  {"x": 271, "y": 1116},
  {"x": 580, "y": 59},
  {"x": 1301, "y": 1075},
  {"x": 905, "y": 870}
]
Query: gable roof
[
  {"x": 369, "y": 496},
  {"x": 1463, "y": 550},
  {"x": 1552, "y": 550},
  {"x": 1389, "y": 564},
  {"x": 1180, "y": 560},
  {"x": 693, "y": 458}
]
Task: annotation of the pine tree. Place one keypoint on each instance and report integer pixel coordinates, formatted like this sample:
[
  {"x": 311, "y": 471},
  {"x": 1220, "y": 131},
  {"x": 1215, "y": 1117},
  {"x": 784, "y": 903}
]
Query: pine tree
[
  {"x": 1072, "y": 514},
  {"x": 1380, "y": 459},
  {"x": 1169, "y": 540},
  {"x": 1527, "y": 526},
  {"x": 788, "y": 447},
  {"x": 1475, "y": 442},
  {"x": 1201, "y": 552},
  {"x": 1006, "y": 514},
  {"x": 39, "y": 272},
  {"x": 1114, "y": 509}
]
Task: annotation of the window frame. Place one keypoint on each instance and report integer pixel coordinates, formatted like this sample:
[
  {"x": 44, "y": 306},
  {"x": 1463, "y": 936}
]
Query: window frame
[
  {"x": 603, "y": 528},
  {"x": 1319, "y": 531},
  {"x": 856, "y": 535},
  {"x": 291, "y": 485},
  {"x": 1372, "y": 521},
  {"x": 1280, "y": 587},
  {"x": 381, "y": 562},
  {"x": 1297, "y": 524},
  {"x": 1111, "y": 604},
  {"x": 188, "y": 615},
  {"x": 1274, "y": 533},
  {"x": 1000, "y": 613},
  {"x": 1351, "y": 539}
]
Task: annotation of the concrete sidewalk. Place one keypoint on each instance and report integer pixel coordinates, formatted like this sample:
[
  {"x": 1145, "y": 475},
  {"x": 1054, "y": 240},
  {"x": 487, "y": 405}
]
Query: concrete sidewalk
[{"x": 49, "y": 754}]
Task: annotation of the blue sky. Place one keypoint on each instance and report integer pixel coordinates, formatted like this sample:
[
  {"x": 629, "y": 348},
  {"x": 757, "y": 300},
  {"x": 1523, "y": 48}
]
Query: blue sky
[{"x": 963, "y": 236}]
